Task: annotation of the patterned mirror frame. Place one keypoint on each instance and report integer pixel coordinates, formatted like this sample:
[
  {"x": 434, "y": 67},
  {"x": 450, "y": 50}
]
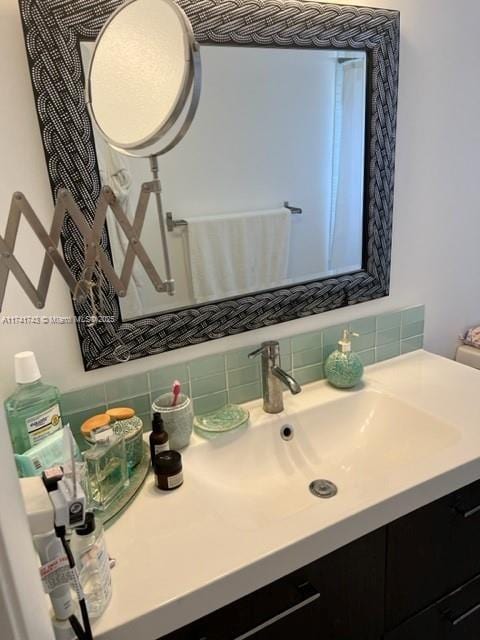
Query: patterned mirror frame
[{"x": 53, "y": 30}]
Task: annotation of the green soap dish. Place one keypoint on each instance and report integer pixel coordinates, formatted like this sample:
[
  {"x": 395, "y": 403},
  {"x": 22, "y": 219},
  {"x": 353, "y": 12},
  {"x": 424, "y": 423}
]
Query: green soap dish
[{"x": 221, "y": 420}]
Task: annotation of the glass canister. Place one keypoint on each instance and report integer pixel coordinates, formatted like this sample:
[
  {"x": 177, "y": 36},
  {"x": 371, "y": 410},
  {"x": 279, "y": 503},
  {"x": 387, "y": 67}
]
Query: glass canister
[
  {"x": 126, "y": 423},
  {"x": 178, "y": 419},
  {"x": 106, "y": 462}
]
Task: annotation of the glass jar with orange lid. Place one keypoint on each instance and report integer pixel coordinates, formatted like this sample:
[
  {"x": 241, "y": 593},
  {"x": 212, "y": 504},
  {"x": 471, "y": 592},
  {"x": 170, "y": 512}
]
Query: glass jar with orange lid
[
  {"x": 105, "y": 461},
  {"x": 125, "y": 422}
]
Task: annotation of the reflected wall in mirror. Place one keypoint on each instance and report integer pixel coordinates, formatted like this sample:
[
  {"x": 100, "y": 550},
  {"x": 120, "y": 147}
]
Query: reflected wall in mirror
[{"x": 272, "y": 126}]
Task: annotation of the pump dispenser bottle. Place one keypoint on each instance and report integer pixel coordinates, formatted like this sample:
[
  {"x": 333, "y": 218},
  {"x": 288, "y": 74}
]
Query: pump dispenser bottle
[{"x": 343, "y": 368}]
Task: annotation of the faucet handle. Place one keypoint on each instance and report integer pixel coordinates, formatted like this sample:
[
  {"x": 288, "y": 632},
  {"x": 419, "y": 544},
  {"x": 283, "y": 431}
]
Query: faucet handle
[
  {"x": 256, "y": 353},
  {"x": 271, "y": 347}
]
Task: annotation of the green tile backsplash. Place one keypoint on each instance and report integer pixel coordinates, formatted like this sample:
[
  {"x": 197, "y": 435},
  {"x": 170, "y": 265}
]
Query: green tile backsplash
[
  {"x": 245, "y": 393},
  {"x": 307, "y": 357},
  {"x": 245, "y": 375},
  {"x": 364, "y": 326},
  {"x": 389, "y": 336},
  {"x": 214, "y": 380},
  {"x": 307, "y": 341},
  {"x": 163, "y": 377},
  {"x": 210, "y": 384},
  {"x": 389, "y": 321},
  {"x": 387, "y": 351}
]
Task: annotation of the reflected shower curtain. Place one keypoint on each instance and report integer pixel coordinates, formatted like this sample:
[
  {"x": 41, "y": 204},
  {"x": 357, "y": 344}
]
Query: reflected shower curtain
[{"x": 346, "y": 223}]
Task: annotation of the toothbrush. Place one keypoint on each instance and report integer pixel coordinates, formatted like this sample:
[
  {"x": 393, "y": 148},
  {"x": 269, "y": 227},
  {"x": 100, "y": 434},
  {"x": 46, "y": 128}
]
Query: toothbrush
[{"x": 176, "y": 388}]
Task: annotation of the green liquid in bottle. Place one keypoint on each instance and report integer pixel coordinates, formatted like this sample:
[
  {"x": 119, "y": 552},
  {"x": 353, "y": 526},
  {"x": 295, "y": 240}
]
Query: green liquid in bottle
[
  {"x": 33, "y": 410},
  {"x": 33, "y": 413}
]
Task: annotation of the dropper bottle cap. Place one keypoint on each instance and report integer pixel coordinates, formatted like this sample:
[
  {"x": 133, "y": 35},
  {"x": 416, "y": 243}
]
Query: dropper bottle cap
[{"x": 157, "y": 423}]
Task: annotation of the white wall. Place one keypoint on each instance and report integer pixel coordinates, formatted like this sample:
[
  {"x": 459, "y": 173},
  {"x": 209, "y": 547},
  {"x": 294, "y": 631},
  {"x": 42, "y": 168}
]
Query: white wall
[
  {"x": 437, "y": 209},
  {"x": 23, "y": 614}
]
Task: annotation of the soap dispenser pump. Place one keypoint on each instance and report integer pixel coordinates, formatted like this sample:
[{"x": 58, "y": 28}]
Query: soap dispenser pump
[{"x": 343, "y": 368}]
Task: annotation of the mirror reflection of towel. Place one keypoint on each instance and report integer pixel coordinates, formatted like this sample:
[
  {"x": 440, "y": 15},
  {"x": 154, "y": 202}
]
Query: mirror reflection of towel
[{"x": 232, "y": 254}]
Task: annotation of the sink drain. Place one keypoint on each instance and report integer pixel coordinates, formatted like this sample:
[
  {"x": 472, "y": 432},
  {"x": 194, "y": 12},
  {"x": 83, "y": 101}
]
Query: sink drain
[
  {"x": 323, "y": 489},
  {"x": 287, "y": 432}
]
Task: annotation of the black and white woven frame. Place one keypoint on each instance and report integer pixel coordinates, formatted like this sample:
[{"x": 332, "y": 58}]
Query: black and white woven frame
[{"x": 53, "y": 32}]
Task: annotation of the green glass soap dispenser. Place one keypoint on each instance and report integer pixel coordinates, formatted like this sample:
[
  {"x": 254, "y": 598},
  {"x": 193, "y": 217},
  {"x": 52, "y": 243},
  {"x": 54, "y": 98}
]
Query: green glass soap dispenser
[{"x": 343, "y": 368}]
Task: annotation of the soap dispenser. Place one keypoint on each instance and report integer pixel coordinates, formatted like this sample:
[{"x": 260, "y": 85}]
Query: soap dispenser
[{"x": 343, "y": 368}]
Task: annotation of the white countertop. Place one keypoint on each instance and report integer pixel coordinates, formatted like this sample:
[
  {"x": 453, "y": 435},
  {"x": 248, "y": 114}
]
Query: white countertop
[{"x": 178, "y": 559}]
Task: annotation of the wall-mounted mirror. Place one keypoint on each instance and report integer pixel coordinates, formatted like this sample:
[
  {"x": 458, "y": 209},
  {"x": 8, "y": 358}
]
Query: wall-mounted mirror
[
  {"x": 272, "y": 126},
  {"x": 278, "y": 199}
]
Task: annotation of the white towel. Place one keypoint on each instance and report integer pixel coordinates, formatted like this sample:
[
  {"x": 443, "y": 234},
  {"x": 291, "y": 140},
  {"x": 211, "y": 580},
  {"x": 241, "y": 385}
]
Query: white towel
[{"x": 238, "y": 253}]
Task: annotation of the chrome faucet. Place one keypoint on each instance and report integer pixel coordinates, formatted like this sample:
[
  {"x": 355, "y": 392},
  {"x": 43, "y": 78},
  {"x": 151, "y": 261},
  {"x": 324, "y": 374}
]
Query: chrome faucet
[{"x": 273, "y": 377}]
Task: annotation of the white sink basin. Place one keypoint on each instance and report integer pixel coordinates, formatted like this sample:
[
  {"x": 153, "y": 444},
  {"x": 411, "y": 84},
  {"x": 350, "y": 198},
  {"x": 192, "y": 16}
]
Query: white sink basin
[
  {"x": 245, "y": 517},
  {"x": 254, "y": 478}
]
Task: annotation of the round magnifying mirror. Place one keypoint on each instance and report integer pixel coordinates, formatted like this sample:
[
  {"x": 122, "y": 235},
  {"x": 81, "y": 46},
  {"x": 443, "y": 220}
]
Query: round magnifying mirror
[{"x": 144, "y": 77}]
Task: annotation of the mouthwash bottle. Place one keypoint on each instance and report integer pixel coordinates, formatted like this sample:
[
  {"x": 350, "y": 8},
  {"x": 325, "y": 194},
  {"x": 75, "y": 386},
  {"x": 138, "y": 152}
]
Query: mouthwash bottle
[{"x": 33, "y": 410}]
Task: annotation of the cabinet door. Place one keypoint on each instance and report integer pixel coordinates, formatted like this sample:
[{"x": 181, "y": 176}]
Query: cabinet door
[
  {"x": 304, "y": 623},
  {"x": 418, "y": 548},
  {"x": 257, "y": 614},
  {"x": 465, "y": 561},
  {"x": 351, "y": 582},
  {"x": 456, "y": 617},
  {"x": 431, "y": 552},
  {"x": 339, "y": 597}
]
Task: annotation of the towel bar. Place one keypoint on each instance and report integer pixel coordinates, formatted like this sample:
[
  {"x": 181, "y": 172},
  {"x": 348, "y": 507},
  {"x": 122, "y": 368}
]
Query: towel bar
[
  {"x": 174, "y": 224},
  {"x": 295, "y": 211}
]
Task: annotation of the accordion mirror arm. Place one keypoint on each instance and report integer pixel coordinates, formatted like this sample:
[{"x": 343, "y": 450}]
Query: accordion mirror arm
[
  {"x": 8, "y": 262},
  {"x": 166, "y": 110},
  {"x": 97, "y": 263}
]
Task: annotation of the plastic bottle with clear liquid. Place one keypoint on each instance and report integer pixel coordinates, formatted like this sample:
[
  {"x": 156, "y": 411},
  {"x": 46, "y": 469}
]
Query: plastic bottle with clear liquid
[{"x": 93, "y": 565}]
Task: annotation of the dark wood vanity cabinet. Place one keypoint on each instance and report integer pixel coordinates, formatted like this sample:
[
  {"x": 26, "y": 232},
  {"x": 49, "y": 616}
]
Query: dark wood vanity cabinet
[
  {"x": 431, "y": 552},
  {"x": 455, "y": 617},
  {"x": 338, "y": 596},
  {"x": 418, "y": 578}
]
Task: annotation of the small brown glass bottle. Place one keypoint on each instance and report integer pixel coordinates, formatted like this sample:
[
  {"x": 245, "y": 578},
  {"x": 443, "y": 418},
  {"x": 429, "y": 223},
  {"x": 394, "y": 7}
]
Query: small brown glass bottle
[{"x": 158, "y": 437}]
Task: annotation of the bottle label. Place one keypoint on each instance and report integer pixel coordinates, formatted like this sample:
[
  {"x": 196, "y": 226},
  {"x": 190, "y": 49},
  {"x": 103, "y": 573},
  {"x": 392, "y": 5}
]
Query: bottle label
[
  {"x": 44, "y": 424},
  {"x": 175, "y": 481},
  {"x": 55, "y": 573},
  {"x": 158, "y": 448}
]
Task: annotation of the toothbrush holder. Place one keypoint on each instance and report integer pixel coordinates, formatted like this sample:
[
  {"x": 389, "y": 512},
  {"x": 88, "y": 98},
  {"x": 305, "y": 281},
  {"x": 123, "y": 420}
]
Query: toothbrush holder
[{"x": 178, "y": 420}]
